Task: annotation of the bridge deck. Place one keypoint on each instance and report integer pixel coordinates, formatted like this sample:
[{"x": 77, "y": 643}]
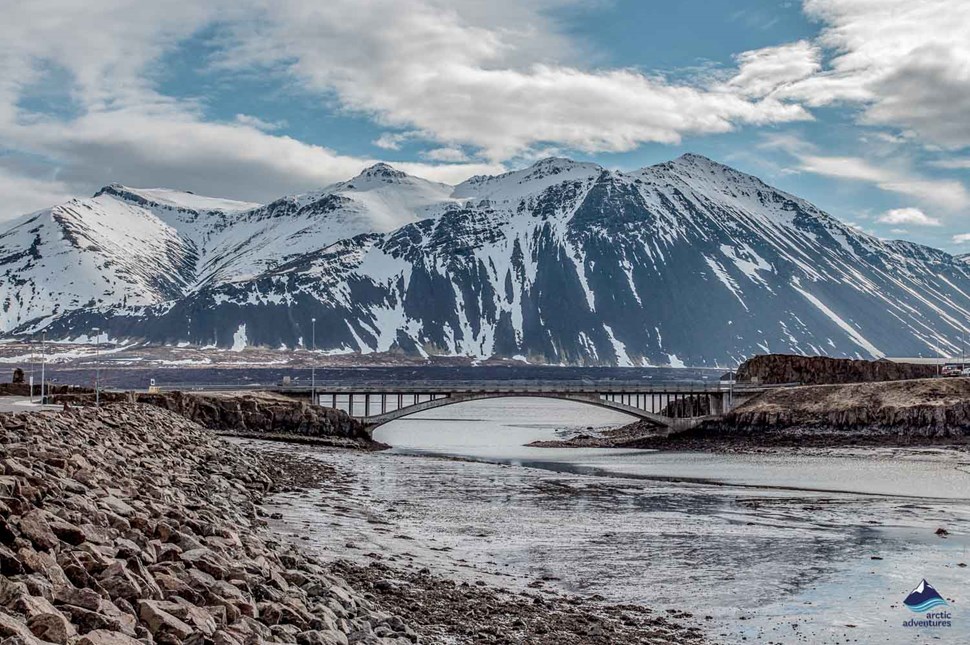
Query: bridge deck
[
  {"x": 668, "y": 405},
  {"x": 513, "y": 386}
]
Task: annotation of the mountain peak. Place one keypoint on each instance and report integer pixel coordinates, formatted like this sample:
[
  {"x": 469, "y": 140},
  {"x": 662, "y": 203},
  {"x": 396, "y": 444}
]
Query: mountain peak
[
  {"x": 560, "y": 162},
  {"x": 166, "y": 198},
  {"x": 700, "y": 170},
  {"x": 557, "y": 165},
  {"x": 693, "y": 157},
  {"x": 534, "y": 179},
  {"x": 694, "y": 160},
  {"x": 382, "y": 172}
]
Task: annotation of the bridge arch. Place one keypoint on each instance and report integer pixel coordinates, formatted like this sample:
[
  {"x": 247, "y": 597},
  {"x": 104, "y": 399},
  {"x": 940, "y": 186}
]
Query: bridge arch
[{"x": 662, "y": 422}]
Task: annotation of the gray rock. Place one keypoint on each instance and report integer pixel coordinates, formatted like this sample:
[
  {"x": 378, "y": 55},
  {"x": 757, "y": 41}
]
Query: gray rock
[
  {"x": 160, "y": 622},
  {"x": 321, "y": 637},
  {"x": 85, "y": 598},
  {"x": 52, "y": 627},
  {"x": 106, "y": 637},
  {"x": 35, "y": 528}
]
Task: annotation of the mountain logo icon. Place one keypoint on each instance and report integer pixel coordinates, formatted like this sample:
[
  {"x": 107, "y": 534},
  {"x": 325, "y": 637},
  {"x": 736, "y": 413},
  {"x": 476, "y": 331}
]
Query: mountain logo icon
[{"x": 923, "y": 598}]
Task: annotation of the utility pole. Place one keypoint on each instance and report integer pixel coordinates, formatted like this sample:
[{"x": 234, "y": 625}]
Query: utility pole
[
  {"x": 313, "y": 361},
  {"x": 43, "y": 365},
  {"x": 97, "y": 367}
]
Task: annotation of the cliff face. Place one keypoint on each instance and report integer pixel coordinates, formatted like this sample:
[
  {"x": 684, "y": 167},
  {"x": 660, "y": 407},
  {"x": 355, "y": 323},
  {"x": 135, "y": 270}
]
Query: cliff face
[
  {"x": 917, "y": 412},
  {"x": 817, "y": 370},
  {"x": 258, "y": 414},
  {"x": 920, "y": 407}
]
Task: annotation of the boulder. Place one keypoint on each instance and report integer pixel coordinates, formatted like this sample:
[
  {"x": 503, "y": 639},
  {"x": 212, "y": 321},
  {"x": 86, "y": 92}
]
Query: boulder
[
  {"x": 107, "y": 637},
  {"x": 34, "y": 527},
  {"x": 160, "y": 622},
  {"x": 52, "y": 627}
]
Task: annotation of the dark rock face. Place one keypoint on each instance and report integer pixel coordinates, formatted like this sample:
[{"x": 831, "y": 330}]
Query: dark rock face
[
  {"x": 260, "y": 414},
  {"x": 772, "y": 369},
  {"x": 909, "y": 409}
]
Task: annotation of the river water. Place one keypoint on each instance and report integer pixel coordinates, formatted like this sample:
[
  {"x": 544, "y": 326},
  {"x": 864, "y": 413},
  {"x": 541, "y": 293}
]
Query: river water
[{"x": 780, "y": 546}]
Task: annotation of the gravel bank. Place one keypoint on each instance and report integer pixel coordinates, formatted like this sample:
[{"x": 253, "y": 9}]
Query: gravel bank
[{"x": 131, "y": 524}]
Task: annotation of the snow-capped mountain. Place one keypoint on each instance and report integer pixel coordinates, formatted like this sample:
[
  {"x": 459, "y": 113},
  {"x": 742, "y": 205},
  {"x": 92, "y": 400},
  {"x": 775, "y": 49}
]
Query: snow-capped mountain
[{"x": 687, "y": 262}]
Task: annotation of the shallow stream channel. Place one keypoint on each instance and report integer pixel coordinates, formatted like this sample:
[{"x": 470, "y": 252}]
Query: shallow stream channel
[{"x": 785, "y": 546}]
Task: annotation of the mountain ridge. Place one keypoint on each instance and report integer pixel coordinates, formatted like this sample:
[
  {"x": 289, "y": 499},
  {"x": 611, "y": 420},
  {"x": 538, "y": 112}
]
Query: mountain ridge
[{"x": 685, "y": 262}]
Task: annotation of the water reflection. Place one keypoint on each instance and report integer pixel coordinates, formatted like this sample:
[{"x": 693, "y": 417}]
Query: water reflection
[{"x": 496, "y": 430}]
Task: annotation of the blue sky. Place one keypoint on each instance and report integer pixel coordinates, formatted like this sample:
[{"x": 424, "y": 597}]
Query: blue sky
[{"x": 856, "y": 105}]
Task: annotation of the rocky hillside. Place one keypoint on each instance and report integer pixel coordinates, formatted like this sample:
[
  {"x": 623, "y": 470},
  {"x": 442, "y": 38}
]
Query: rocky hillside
[
  {"x": 921, "y": 407},
  {"x": 688, "y": 262},
  {"x": 773, "y": 369}
]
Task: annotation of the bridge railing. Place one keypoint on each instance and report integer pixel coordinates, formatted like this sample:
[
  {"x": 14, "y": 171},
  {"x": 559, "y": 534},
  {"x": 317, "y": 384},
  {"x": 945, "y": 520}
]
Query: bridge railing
[{"x": 512, "y": 386}]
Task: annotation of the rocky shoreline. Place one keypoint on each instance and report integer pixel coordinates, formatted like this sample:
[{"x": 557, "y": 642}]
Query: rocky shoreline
[
  {"x": 131, "y": 524},
  {"x": 266, "y": 415}
]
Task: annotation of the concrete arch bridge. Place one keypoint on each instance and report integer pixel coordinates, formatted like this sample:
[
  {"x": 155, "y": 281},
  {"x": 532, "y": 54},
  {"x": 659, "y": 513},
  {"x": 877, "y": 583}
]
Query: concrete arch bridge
[{"x": 673, "y": 407}]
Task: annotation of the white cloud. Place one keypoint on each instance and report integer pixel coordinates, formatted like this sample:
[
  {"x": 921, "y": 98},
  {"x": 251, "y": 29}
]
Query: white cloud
[
  {"x": 764, "y": 71},
  {"x": 498, "y": 78},
  {"x": 491, "y": 84},
  {"x": 119, "y": 128},
  {"x": 259, "y": 124},
  {"x": 391, "y": 140},
  {"x": 448, "y": 155},
  {"x": 961, "y": 238},
  {"x": 22, "y": 194},
  {"x": 222, "y": 159},
  {"x": 952, "y": 164},
  {"x": 908, "y": 216},
  {"x": 904, "y": 62},
  {"x": 947, "y": 194}
]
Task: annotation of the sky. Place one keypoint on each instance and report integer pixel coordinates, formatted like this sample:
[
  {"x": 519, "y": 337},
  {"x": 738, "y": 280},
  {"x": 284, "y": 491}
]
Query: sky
[{"x": 859, "y": 106}]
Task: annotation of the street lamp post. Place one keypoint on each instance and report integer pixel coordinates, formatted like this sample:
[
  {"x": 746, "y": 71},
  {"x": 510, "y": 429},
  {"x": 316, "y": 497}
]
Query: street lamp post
[
  {"x": 97, "y": 367},
  {"x": 313, "y": 362}
]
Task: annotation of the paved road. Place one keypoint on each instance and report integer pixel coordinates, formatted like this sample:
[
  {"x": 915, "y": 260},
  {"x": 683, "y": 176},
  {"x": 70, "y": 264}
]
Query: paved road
[{"x": 23, "y": 404}]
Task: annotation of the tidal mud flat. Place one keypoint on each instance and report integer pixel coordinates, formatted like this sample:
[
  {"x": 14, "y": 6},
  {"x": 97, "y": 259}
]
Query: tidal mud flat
[
  {"x": 130, "y": 525},
  {"x": 778, "y": 546}
]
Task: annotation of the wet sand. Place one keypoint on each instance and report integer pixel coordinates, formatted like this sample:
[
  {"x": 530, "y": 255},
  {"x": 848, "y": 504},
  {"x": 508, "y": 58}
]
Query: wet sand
[{"x": 785, "y": 546}]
